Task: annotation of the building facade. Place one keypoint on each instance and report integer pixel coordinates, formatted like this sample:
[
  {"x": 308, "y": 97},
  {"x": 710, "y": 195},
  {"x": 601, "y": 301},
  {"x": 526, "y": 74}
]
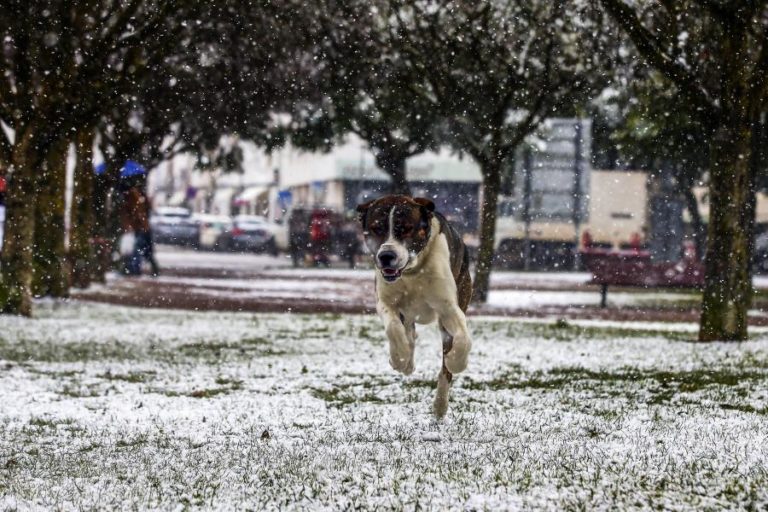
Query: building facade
[{"x": 347, "y": 176}]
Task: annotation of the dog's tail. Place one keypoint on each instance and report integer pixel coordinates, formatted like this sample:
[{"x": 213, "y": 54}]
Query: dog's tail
[
  {"x": 465, "y": 263},
  {"x": 464, "y": 282}
]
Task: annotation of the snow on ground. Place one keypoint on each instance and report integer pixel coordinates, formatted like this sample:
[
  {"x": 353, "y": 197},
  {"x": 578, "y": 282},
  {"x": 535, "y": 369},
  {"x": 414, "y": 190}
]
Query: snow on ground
[
  {"x": 509, "y": 278},
  {"x": 524, "y": 299},
  {"x": 170, "y": 256},
  {"x": 356, "y": 286},
  {"x": 111, "y": 407},
  {"x": 274, "y": 288},
  {"x": 280, "y": 266}
]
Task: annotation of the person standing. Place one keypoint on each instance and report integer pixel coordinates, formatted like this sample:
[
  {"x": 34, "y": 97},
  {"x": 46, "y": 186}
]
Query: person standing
[
  {"x": 136, "y": 219},
  {"x": 320, "y": 236},
  {"x": 298, "y": 236},
  {"x": 349, "y": 245}
]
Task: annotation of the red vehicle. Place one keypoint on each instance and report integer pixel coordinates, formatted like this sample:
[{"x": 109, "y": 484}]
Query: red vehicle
[{"x": 321, "y": 232}]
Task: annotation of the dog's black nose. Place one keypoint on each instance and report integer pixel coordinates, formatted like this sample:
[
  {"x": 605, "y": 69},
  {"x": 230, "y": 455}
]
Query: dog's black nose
[{"x": 387, "y": 258}]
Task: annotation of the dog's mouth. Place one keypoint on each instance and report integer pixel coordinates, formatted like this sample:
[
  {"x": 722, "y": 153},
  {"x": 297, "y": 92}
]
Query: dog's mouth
[{"x": 391, "y": 274}]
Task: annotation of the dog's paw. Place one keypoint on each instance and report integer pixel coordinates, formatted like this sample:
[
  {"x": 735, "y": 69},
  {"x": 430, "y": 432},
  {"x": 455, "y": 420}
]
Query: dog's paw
[
  {"x": 404, "y": 366},
  {"x": 457, "y": 358},
  {"x": 440, "y": 406}
]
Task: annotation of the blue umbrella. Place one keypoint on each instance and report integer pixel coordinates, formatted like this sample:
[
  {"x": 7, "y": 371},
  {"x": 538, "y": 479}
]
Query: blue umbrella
[
  {"x": 132, "y": 168},
  {"x": 99, "y": 169}
]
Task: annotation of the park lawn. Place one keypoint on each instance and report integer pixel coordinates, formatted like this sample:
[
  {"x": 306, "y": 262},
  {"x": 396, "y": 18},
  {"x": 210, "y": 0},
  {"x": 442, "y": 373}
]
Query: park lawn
[{"x": 111, "y": 407}]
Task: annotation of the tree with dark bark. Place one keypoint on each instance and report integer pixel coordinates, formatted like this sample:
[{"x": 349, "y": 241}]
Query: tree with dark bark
[
  {"x": 228, "y": 79},
  {"x": 61, "y": 64},
  {"x": 495, "y": 71},
  {"x": 81, "y": 250},
  {"x": 152, "y": 77},
  {"x": 716, "y": 55},
  {"x": 49, "y": 259},
  {"x": 364, "y": 85}
]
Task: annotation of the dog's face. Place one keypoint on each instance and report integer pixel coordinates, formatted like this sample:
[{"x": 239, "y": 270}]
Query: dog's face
[{"x": 396, "y": 229}]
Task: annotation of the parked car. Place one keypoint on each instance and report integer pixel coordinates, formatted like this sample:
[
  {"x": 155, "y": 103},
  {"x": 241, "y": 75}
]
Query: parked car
[
  {"x": 250, "y": 233},
  {"x": 212, "y": 229},
  {"x": 174, "y": 225}
]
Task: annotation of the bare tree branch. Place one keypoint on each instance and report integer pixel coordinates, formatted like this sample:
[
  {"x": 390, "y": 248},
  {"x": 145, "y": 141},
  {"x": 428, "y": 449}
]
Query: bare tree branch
[
  {"x": 725, "y": 15},
  {"x": 759, "y": 87},
  {"x": 648, "y": 45}
]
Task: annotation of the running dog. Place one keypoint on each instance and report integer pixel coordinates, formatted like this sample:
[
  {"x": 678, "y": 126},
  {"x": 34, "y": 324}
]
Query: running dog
[{"x": 422, "y": 275}]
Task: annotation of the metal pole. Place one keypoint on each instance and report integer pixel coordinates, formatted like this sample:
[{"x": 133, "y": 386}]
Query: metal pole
[
  {"x": 527, "y": 179},
  {"x": 577, "y": 192}
]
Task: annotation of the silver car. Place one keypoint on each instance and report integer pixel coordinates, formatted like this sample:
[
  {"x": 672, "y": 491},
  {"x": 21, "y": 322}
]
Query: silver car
[
  {"x": 250, "y": 233},
  {"x": 174, "y": 225}
]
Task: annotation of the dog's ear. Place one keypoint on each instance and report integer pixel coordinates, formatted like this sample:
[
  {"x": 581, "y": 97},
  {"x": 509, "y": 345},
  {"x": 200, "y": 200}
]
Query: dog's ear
[
  {"x": 362, "y": 211},
  {"x": 425, "y": 203}
]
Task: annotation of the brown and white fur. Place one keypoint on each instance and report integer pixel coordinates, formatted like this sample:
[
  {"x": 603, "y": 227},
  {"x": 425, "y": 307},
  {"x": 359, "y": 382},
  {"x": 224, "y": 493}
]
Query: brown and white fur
[{"x": 422, "y": 275}]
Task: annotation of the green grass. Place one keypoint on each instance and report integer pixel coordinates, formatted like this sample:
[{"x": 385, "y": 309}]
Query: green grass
[
  {"x": 365, "y": 388},
  {"x": 685, "y": 381},
  {"x": 562, "y": 330},
  {"x": 245, "y": 347},
  {"x": 660, "y": 386},
  {"x": 26, "y": 350},
  {"x": 341, "y": 396},
  {"x": 745, "y": 408},
  {"x": 210, "y": 392},
  {"x": 224, "y": 388},
  {"x": 49, "y": 423},
  {"x": 133, "y": 377}
]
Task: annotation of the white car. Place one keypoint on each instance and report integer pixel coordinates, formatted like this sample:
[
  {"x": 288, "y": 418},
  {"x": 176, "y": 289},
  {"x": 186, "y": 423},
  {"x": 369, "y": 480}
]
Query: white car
[{"x": 211, "y": 228}]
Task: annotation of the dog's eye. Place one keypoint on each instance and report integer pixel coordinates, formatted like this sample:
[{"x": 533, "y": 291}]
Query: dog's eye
[{"x": 378, "y": 229}]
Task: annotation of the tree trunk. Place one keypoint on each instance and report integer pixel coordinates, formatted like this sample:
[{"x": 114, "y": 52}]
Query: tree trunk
[
  {"x": 692, "y": 205},
  {"x": 728, "y": 287},
  {"x": 16, "y": 260},
  {"x": 50, "y": 269},
  {"x": 491, "y": 186},
  {"x": 393, "y": 163},
  {"x": 102, "y": 245},
  {"x": 81, "y": 249}
]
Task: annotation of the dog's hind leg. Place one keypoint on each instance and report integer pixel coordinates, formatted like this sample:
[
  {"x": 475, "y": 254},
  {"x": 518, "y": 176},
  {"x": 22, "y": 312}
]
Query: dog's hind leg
[{"x": 444, "y": 378}]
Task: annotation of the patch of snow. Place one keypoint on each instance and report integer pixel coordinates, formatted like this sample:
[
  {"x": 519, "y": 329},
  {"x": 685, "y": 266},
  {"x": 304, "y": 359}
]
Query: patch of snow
[{"x": 112, "y": 407}]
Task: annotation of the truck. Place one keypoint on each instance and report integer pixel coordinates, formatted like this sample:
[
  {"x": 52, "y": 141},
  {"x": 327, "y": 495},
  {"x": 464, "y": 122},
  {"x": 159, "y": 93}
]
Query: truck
[{"x": 616, "y": 218}]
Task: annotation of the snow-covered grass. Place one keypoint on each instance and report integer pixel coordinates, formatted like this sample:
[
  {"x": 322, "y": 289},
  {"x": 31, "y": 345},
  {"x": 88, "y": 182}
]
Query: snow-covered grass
[{"x": 107, "y": 407}]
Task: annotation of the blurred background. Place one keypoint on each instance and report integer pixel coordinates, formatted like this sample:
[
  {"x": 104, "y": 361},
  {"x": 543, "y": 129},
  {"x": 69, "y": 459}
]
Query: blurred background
[{"x": 626, "y": 141}]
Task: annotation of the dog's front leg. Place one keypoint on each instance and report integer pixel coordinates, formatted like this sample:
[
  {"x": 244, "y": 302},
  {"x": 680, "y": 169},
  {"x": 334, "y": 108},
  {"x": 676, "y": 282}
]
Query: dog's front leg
[
  {"x": 455, "y": 323},
  {"x": 400, "y": 347}
]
